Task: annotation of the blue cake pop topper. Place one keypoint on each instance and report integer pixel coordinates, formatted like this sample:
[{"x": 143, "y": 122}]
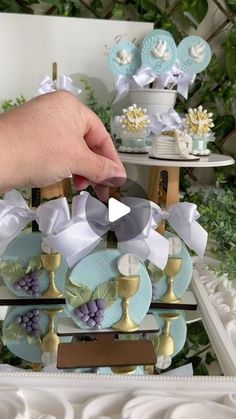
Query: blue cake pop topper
[
  {"x": 157, "y": 32},
  {"x": 159, "y": 51},
  {"x": 124, "y": 58},
  {"x": 194, "y": 54}
]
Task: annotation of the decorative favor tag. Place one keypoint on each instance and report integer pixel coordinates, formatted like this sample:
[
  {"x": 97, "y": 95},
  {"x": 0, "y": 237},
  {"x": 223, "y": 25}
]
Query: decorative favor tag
[
  {"x": 194, "y": 54},
  {"x": 159, "y": 51},
  {"x": 22, "y": 270},
  {"x": 30, "y": 331},
  {"x": 124, "y": 58},
  {"x": 93, "y": 291}
]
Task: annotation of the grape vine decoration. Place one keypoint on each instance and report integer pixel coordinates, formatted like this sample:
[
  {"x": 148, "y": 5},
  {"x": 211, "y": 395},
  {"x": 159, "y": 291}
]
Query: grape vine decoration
[
  {"x": 92, "y": 312},
  {"x": 29, "y": 283},
  {"x": 23, "y": 280},
  {"x": 88, "y": 305},
  {"x": 30, "y": 322}
]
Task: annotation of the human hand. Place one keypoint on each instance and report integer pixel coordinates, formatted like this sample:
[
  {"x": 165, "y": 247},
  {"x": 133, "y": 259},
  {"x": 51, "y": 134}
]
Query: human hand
[{"x": 53, "y": 137}]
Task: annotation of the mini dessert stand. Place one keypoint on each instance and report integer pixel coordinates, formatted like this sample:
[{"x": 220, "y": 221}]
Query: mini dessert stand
[
  {"x": 172, "y": 167},
  {"x": 103, "y": 349}
]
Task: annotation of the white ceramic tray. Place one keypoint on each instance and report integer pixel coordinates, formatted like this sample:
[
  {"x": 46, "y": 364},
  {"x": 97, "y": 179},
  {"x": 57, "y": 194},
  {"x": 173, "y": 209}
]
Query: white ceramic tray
[
  {"x": 221, "y": 343},
  {"x": 73, "y": 396}
]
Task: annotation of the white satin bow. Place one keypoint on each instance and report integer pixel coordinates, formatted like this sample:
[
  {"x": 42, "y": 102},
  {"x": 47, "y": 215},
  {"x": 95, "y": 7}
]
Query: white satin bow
[
  {"x": 165, "y": 122},
  {"x": 63, "y": 82},
  {"x": 15, "y": 215},
  {"x": 78, "y": 237}
]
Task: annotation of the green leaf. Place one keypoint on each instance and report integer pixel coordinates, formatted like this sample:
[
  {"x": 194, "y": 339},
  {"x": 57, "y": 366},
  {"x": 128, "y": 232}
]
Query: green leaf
[
  {"x": 231, "y": 4},
  {"x": 230, "y": 61},
  {"x": 118, "y": 10},
  {"x": 150, "y": 16},
  {"x": 197, "y": 334},
  {"x": 201, "y": 369},
  {"x": 96, "y": 4},
  {"x": 11, "y": 270},
  {"x": 194, "y": 10},
  {"x": 107, "y": 291},
  {"x": 148, "y": 4},
  {"x": 35, "y": 264},
  {"x": 210, "y": 358},
  {"x": 78, "y": 294},
  {"x": 59, "y": 4},
  {"x": 13, "y": 332}
]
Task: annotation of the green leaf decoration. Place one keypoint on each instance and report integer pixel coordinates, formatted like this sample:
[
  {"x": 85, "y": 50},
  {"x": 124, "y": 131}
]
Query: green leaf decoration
[
  {"x": 35, "y": 264},
  {"x": 13, "y": 332},
  {"x": 34, "y": 340},
  {"x": 78, "y": 294},
  {"x": 107, "y": 291},
  {"x": 11, "y": 270},
  {"x": 156, "y": 273}
]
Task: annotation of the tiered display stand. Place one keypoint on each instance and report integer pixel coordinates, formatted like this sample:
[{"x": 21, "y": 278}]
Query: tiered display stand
[
  {"x": 172, "y": 167},
  {"x": 100, "y": 348}
]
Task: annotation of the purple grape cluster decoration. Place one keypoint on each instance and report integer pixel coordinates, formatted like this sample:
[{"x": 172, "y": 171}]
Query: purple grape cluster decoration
[
  {"x": 29, "y": 284},
  {"x": 92, "y": 313},
  {"x": 30, "y": 322}
]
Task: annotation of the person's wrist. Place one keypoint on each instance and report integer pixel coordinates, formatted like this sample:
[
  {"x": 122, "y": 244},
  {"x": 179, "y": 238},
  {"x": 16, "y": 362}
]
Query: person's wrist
[{"x": 9, "y": 157}]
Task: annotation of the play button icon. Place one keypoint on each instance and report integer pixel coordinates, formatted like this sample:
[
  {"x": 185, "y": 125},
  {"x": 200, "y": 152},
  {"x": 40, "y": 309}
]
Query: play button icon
[
  {"x": 127, "y": 216},
  {"x": 116, "y": 210}
]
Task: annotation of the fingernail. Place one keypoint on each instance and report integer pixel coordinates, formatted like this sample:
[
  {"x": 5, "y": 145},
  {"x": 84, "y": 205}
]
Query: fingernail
[{"x": 118, "y": 172}]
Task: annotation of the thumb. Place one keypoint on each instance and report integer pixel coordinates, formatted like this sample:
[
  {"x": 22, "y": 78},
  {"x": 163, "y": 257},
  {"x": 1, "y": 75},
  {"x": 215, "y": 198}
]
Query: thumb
[{"x": 99, "y": 169}]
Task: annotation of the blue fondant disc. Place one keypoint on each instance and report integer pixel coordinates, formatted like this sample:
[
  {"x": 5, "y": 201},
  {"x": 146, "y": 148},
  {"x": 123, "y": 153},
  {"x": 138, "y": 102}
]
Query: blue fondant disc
[
  {"x": 101, "y": 267},
  {"x": 178, "y": 328},
  {"x": 194, "y": 54},
  {"x": 124, "y": 58},
  {"x": 25, "y": 247},
  {"x": 182, "y": 279},
  {"x": 157, "y": 32},
  {"x": 23, "y": 346},
  {"x": 159, "y": 51}
]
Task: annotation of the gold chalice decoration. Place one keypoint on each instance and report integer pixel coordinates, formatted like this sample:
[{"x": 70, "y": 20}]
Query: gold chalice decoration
[
  {"x": 51, "y": 340},
  {"x": 166, "y": 345},
  {"x": 123, "y": 369},
  {"x": 127, "y": 286},
  {"x": 172, "y": 268},
  {"x": 51, "y": 262}
]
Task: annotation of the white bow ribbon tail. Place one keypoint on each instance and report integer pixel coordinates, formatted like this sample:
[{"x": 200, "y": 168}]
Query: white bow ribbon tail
[
  {"x": 184, "y": 81},
  {"x": 144, "y": 76},
  {"x": 123, "y": 85},
  {"x": 182, "y": 217},
  {"x": 15, "y": 215}
]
